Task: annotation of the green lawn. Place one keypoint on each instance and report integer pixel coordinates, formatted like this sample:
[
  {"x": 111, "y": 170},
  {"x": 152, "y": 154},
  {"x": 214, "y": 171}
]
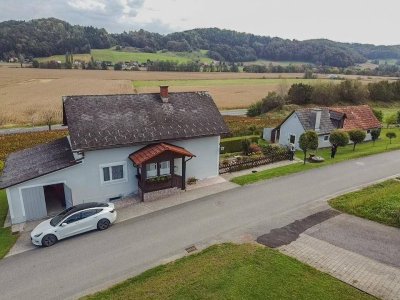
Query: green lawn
[
  {"x": 344, "y": 153},
  {"x": 231, "y": 271},
  {"x": 223, "y": 82},
  {"x": 380, "y": 203},
  {"x": 7, "y": 240},
  {"x": 83, "y": 57}
]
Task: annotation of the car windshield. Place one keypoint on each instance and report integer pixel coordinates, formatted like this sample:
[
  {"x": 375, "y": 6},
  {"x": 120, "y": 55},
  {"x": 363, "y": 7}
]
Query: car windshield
[{"x": 57, "y": 219}]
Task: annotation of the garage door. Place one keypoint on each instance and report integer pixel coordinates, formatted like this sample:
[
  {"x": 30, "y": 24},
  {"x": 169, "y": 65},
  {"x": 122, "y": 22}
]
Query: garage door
[{"x": 34, "y": 203}]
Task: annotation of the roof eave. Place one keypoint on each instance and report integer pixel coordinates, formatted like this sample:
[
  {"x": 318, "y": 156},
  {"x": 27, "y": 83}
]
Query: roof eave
[{"x": 41, "y": 175}]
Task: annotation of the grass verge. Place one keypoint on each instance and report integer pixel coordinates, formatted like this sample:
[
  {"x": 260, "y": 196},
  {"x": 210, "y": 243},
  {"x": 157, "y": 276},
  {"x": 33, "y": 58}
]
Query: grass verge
[
  {"x": 344, "y": 153},
  {"x": 380, "y": 203},
  {"x": 231, "y": 271},
  {"x": 7, "y": 240}
]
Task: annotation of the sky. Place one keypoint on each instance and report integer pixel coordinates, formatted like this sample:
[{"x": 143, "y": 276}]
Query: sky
[{"x": 363, "y": 21}]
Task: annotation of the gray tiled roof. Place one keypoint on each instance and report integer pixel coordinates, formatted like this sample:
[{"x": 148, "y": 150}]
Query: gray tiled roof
[
  {"x": 106, "y": 121},
  {"x": 37, "y": 161},
  {"x": 307, "y": 119}
]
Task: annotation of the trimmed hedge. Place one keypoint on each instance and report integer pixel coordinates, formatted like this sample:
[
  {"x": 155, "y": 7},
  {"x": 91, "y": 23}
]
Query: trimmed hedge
[{"x": 234, "y": 144}]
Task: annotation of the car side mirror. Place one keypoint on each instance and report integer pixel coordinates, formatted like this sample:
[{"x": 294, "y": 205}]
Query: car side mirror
[{"x": 63, "y": 224}]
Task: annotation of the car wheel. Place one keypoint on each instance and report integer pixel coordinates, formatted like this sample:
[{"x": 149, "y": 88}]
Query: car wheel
[
  {"x": 49, "y": 240},
  {"x": 103, "y": 224}
]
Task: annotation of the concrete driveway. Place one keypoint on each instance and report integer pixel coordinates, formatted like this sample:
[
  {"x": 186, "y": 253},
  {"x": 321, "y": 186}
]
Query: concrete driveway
[
  {"x": 97, "y": 260},
  {"x": 362, "y": 253}
]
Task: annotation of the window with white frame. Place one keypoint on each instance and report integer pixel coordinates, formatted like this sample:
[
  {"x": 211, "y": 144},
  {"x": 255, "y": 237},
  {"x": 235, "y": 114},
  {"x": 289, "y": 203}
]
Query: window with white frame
[
  {"x": 151, "y": 170},
  {"x": 326, "y": 137},
  {"x": 113, "y": 172},
  {"x": 165, "y": 168}
]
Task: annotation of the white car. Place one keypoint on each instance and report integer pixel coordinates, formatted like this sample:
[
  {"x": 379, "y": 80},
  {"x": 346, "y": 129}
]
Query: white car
[{"x": 72, "y": 221}]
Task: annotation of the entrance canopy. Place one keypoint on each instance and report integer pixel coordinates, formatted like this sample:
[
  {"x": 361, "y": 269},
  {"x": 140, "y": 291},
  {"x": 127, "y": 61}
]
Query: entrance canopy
[
  {"x": 156, "y": 167},
  {"x": 150, "y": 152}
]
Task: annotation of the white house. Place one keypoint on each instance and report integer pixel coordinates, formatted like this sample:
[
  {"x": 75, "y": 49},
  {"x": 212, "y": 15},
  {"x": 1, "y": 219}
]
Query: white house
[
  {"x": 323, "y": 121},
  {"x": 119, "y": 145}
]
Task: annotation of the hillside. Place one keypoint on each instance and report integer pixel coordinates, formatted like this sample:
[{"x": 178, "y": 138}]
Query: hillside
[{"x": 47, "y": 37}]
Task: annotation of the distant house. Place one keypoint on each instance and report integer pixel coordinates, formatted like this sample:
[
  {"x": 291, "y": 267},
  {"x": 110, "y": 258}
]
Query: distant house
[
  {"x": 323, "y": 120},
  {"x": 119, "y": 145}
]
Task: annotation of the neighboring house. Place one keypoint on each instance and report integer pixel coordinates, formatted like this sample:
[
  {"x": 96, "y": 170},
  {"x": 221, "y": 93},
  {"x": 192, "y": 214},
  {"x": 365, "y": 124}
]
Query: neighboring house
[
  {"x": 119, "y": 145},
  {"x": 323, "y": 121}
]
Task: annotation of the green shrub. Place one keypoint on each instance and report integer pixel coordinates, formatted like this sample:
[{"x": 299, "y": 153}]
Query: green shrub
[
  {"x": 231, "y": 145},
  {"x": 254, "y": 148},
  {"x": 271, "y": 150},
  {"x": 378, "y": 114},
  {"x": 246, "y": 146},
  {"x": 254, "y": 109}
]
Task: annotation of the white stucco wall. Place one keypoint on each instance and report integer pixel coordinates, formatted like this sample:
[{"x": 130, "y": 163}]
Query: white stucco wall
[
  {"x": 322, "y": 143},
  {"x": 267, "y": 132},
  {"x": 291, "y": 126},
  {"x": 85, "y": 179}
]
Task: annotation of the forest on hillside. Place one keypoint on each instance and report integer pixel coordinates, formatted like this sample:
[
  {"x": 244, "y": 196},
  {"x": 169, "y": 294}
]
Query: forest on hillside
[{"x": 46, "y": 37}]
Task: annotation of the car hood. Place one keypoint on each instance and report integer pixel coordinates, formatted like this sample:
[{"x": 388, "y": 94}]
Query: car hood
[{"x": 45, "y": 225}]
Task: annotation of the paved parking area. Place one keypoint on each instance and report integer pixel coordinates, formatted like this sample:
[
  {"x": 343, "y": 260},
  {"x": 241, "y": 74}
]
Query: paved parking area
[
  {"x": 359, "y": 252},
  {"x": 131, "y": 208}
]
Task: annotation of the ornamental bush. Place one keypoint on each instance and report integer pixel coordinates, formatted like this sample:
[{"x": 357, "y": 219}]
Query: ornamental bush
[
  {"x": 339, "y": 138},
  {"x": 231, "y": 145},
  {"x": 357, "y": 137}
]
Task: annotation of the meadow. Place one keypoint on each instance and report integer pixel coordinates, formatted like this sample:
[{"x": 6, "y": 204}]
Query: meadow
[
  {"x": 28, "y": 95},
  {"x": 121, "y": 56}
]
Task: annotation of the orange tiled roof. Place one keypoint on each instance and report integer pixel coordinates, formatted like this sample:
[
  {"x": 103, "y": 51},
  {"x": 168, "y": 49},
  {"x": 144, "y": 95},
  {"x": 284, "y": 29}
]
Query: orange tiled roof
[
  {"x": 151, "y": 151},
  {"x": 358, "y": 117}
]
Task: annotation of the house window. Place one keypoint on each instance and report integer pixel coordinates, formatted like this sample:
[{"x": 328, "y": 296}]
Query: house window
[
  {"x": 292, "y": 139},
  {"x": 151, "y": 170},
  {"x": 368, "y": 131},
  {"x": 113, "y": 172},
  {"x": 326, "y": 137},
  {"x": 165, "y": 168}
]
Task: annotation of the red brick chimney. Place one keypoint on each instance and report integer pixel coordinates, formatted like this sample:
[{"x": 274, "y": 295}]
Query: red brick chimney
[{"x": 164, "y": 93}]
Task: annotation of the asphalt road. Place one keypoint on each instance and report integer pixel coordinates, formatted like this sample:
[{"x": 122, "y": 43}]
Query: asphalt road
[
  {"x": 31, "y": 129},
  {"x": 96, "y": 260}
]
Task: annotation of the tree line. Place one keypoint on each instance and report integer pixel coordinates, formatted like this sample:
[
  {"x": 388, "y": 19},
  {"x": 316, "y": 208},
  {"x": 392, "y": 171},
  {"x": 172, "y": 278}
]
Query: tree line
[
  {"x": 46, "y": 37},
  {"x": 328, "y": 94}
]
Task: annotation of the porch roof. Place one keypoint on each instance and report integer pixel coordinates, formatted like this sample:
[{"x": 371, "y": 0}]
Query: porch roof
[{"x": 151, "y": 151}]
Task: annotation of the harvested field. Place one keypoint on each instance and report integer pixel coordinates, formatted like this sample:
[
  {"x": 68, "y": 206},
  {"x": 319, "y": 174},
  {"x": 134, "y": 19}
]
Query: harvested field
[{"x": 27, "y": 95}]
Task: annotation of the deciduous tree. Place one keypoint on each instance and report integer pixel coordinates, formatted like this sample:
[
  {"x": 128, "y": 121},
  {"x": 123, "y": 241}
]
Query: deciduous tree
[
  {"x": 339, "y": 138},
  {"x": 375, "y": 133},
  {"x": 308, "y": 141},
  {"x": 391, "y": 135},
  {"x": 357, "y": 137}
]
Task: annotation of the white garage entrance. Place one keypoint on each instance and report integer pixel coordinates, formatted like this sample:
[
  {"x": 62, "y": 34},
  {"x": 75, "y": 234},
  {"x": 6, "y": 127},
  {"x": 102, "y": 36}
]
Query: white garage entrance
[{"x": 45, "y": 200}]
